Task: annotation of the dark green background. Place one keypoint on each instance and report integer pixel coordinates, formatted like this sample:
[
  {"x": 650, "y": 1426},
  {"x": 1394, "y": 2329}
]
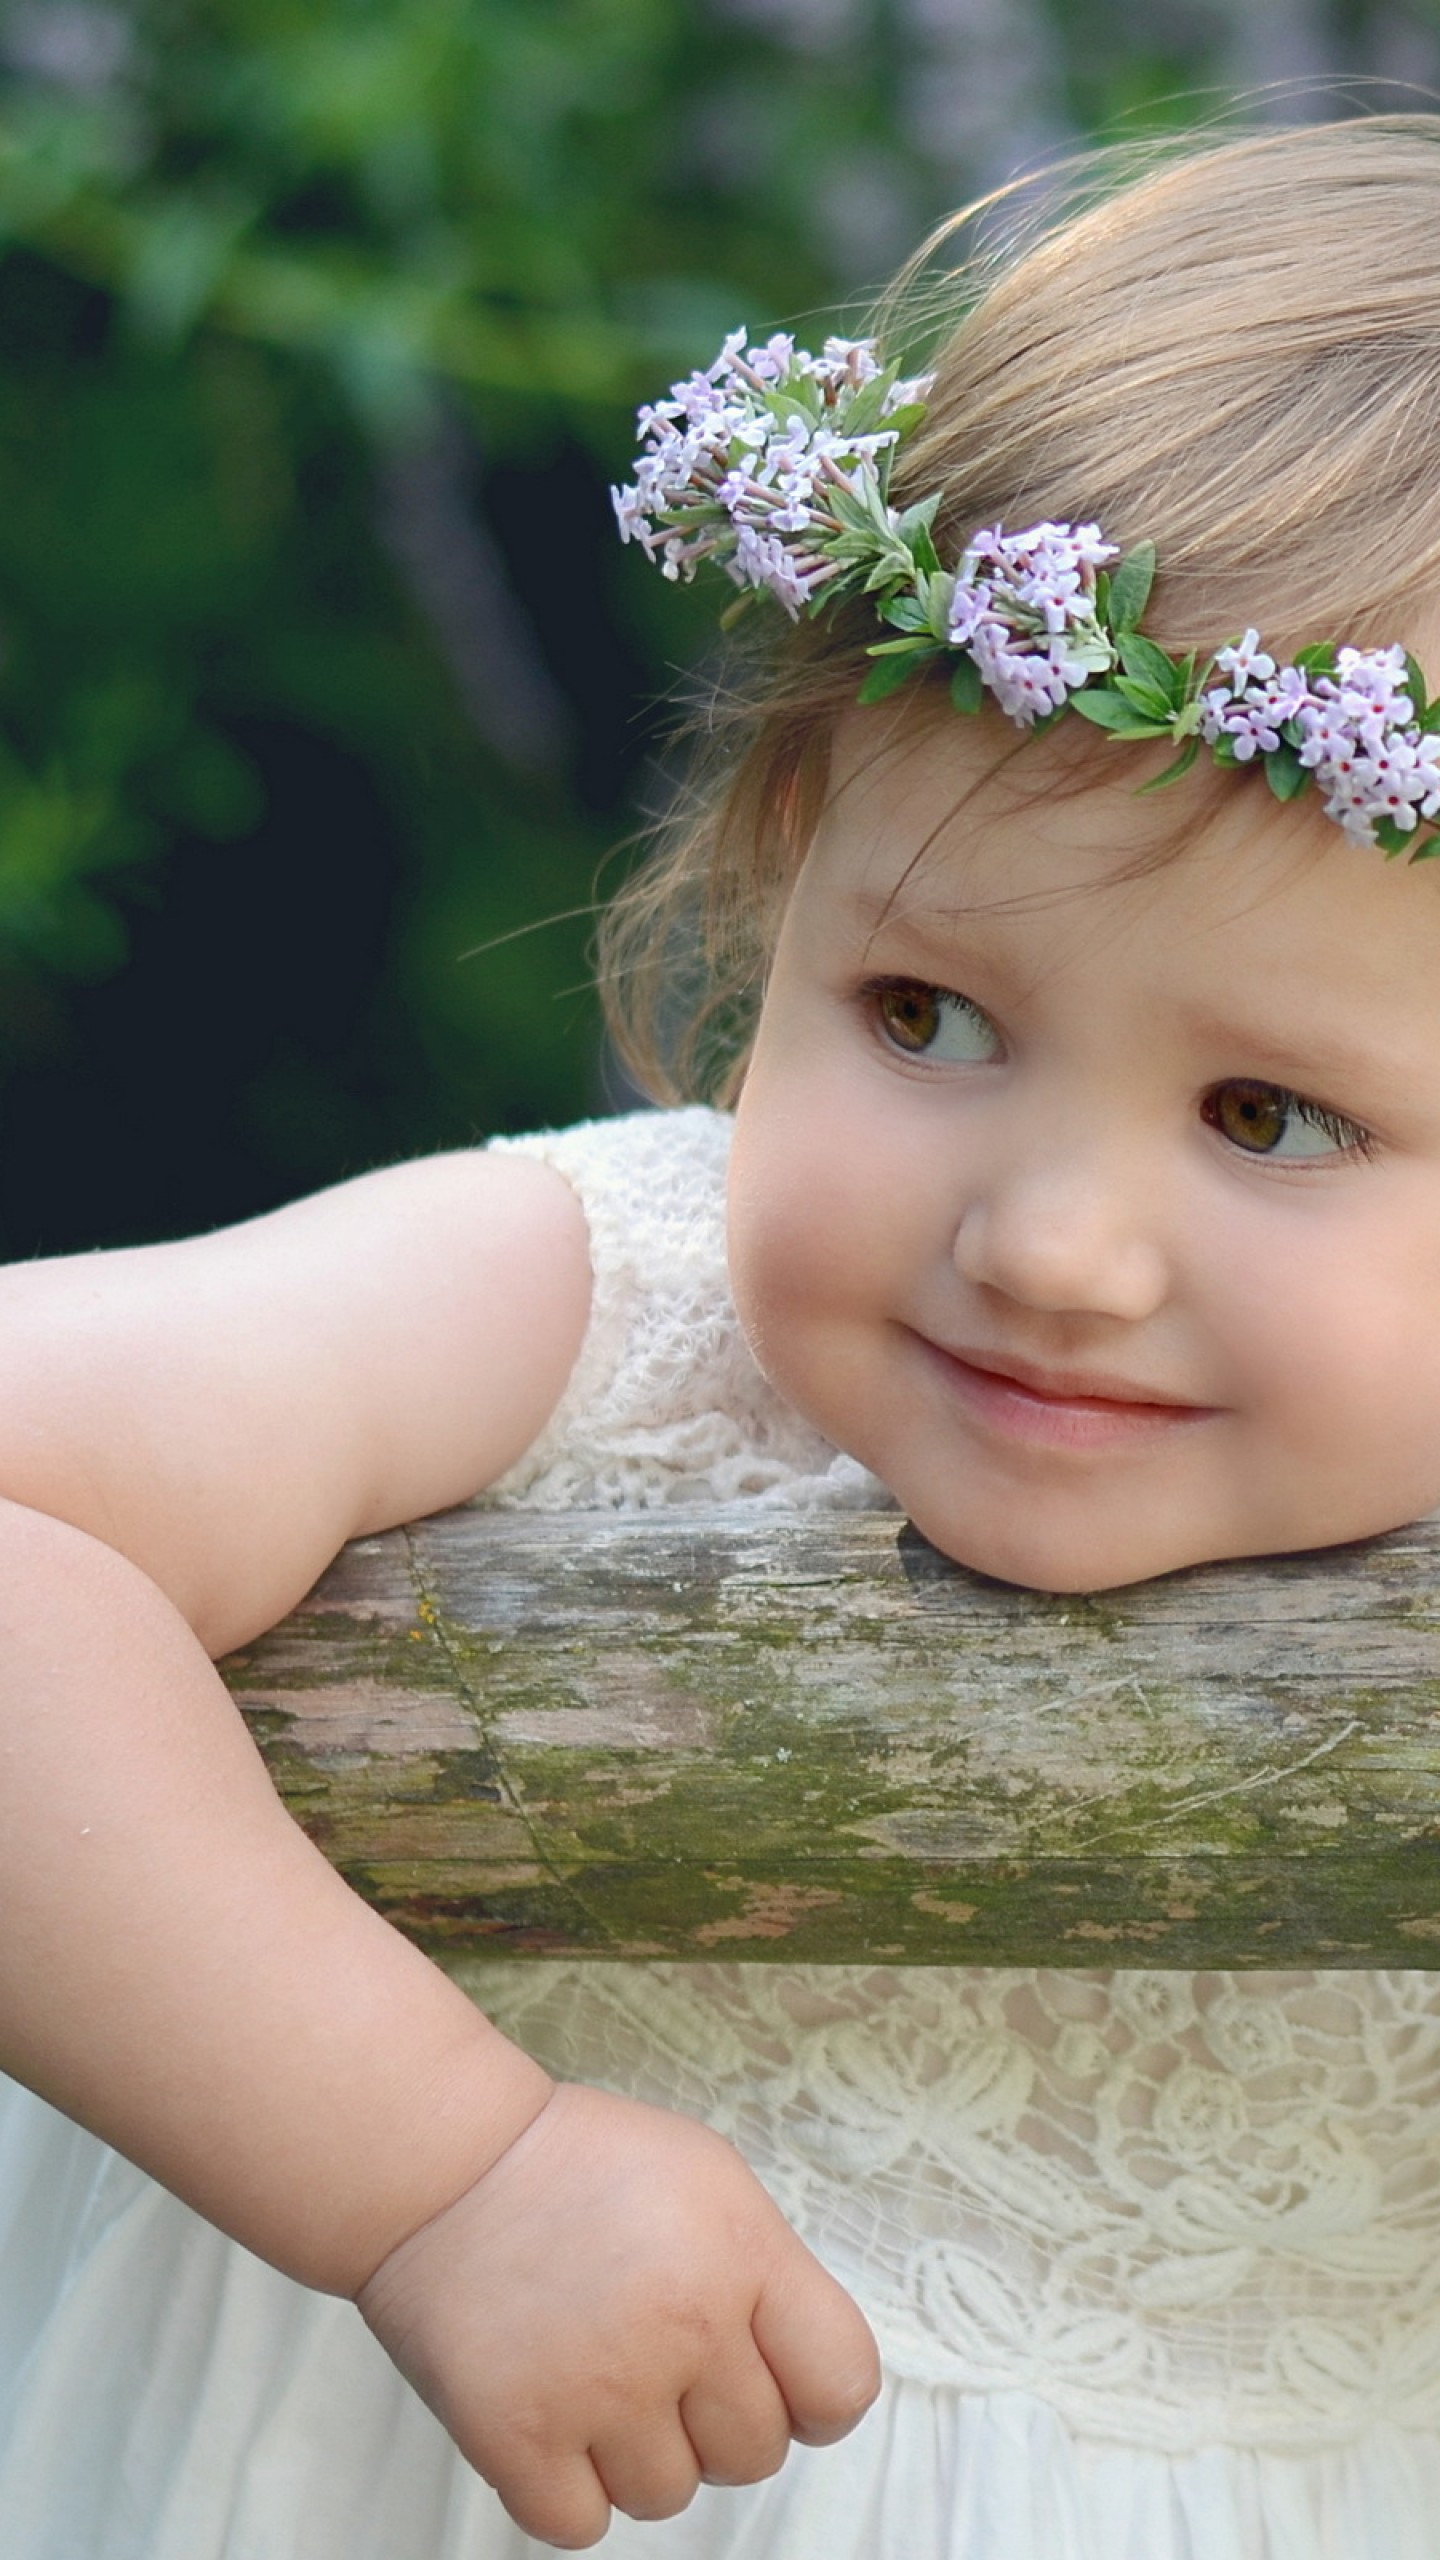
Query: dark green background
[{"x": 321, "y": 324}]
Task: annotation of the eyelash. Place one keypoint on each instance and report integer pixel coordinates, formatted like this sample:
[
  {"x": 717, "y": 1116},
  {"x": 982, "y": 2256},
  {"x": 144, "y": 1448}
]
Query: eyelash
[
  {"x": 875, "y": 990},
  {"x": 1348, "y": 1137}
]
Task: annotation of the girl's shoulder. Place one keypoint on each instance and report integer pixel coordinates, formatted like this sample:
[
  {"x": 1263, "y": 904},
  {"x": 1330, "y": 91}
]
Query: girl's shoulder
[
  {"x": 642, "y": 1176},
  {"x": 666, "y": 1403}
]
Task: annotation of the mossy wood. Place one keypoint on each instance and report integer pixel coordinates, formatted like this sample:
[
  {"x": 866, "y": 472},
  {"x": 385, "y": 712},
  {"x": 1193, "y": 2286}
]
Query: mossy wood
[{"x": 730, "y": 1734}]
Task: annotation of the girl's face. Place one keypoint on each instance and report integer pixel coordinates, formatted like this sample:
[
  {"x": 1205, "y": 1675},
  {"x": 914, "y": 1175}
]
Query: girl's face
[{"x": 1100, "y": 1217}]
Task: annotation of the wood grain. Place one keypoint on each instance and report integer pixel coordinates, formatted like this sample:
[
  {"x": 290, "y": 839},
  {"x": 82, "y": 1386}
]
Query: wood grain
[{"x": 706, "y": 1734}]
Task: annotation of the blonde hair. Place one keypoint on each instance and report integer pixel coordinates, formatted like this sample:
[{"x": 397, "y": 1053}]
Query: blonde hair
[{"x": 1236, "y": 355}]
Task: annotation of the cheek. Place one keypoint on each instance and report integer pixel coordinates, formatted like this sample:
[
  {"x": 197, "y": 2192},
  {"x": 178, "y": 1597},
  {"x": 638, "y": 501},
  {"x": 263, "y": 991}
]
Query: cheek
[
  {"x": 816, "y": 1237},
  {"x": 1337, "y": 1340}
]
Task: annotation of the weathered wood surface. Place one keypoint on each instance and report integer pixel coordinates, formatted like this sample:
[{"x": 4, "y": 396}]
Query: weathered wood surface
[{"x": 706, "y": 1734}]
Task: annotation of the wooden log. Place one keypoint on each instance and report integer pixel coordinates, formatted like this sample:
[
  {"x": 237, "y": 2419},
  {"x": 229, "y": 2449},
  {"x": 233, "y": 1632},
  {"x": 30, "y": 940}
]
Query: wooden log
[{"x": 720, "y": 1734}]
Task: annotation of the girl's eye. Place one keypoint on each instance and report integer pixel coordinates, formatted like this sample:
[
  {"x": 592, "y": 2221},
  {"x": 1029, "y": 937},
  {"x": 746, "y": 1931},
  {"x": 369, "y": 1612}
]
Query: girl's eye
[
  {"x": 930, "y": 1022},
  {"x": 1267, "y": 1120}
]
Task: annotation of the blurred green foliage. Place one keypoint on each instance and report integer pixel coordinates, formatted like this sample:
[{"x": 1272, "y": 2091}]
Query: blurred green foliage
[{"x": 321, "y": 322}]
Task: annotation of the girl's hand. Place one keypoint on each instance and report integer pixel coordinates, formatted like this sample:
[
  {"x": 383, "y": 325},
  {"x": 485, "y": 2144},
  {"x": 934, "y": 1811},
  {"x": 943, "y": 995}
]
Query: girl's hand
[{"x": 614, "y": 2312}]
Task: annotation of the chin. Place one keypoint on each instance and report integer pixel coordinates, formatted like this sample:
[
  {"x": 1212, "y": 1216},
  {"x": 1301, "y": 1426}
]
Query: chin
[{"x": 1055, "y": 1562}]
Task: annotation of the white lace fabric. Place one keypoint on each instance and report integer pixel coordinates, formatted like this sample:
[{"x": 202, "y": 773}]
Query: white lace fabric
[
  {"x": 1179, "y": 2210},
  {"x": 666, "y": 1403}
]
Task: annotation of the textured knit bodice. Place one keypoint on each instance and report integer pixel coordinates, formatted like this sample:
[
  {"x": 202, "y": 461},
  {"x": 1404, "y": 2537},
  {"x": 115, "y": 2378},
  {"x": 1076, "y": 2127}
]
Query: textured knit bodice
[{"x": 1183, "y": 2209}]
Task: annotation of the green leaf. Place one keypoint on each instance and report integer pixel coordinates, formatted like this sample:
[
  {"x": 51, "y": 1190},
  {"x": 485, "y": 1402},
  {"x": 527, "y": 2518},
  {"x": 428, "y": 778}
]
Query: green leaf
[
  {"x": 1096, "y": 702},
  {"x": 803, "y": 402},
  {"x": 923, "y": 552},
  {"x": 967, "y": 690},
  {"x": 892, "y": 573},
  {"x": 1318, "y": 659},
  {"x": 937, "y": 594},
  {"x": 905, "y": 613},
  {"x": 1430, "y": 716},
  {"x": 1147, "y": 699},
  {"x": 1427, "y": 849},
  {"x": 1390, "y": 838},
  {"x": 1285, "y": 773},
  {"x": 908, "y": 648},
  {"x": 1415, "y": 684},
  {"x": 1130, "y": 586},
  {"x": 861, "y": 415},
  {"x": 1111, "y": 711},
  {"x": 907, "y": 417},
  {"x": 1143, "y": 658},
  {"x": 913, "y": 529},
  {"x": 888, "y": 674},
  {"x": 922, "y": 513},
  {"x": 1172, "y": 772}
]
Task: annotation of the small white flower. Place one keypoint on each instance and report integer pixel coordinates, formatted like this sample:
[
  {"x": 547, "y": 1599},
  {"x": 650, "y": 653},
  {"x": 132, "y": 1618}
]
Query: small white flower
[
  {"x": 847, "y": 363},
  {"x": 969, "y": 606},
  {"x": 1244, "y": 661},
  {"x": 762, "y": 560},
  {"x": 773, "y": 361},
  {"x": 905, "y": 395},
  {"x": 725, "y": 361},
  {"x": 1249, "y": 731}
]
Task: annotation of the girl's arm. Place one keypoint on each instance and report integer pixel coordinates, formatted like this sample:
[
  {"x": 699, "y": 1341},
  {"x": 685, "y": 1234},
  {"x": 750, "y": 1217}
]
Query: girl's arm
[
  {"x": 187, "y": 1434},
  {"x": 228, "y": 1410}
]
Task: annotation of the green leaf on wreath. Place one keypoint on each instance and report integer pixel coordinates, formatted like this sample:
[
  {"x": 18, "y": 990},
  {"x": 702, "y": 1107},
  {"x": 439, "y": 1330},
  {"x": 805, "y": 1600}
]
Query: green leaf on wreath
[
  {"x": 1130, "y": 586},
  {"x": 886, "y": 677},
  {"x": 1147, "y": 699},
  {"x": 905, "y": 613},
  {"x": 1285, "y": 773},
  {"x": 1144, "y": 659},
  {"x": 1390, "y": 838},
  {"x": 1172, "y": 772},
  {"x": 967, "y": 689},
  {"x": 1107, "y": 710}
]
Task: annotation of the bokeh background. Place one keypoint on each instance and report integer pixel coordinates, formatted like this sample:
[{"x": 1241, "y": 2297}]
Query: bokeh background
[{"x": 323, "y": 681}]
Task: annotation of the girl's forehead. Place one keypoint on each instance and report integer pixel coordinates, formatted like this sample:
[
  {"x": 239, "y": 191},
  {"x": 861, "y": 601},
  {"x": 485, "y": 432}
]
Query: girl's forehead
[{"x": 942, "y": 828}]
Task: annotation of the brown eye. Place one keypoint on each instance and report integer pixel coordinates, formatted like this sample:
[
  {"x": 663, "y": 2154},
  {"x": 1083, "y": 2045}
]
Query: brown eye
[
  {"x": 1249, "y": 1115},
  {"x": 911, "y": 1015},
  {"x": 933, "y": 1023},
  {"x": 1266, "y": 1120}
]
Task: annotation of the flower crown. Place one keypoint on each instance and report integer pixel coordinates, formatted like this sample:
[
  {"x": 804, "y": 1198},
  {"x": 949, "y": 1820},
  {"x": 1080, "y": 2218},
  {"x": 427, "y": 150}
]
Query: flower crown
[{"x": 776, "y": 464}]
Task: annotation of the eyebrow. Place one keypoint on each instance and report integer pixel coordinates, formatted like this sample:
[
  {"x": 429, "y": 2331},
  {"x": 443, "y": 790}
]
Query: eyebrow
[
  {"x": 883, "y": 913},
  {"x": 1318, "y": 1059}
]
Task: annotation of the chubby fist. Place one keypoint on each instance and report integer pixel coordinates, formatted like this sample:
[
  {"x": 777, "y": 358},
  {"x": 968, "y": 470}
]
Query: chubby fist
[{"x": 615, "y": 2312}]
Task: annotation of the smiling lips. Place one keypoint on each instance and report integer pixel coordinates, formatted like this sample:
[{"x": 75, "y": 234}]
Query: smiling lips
[{"x": 1056, "y": 1408}]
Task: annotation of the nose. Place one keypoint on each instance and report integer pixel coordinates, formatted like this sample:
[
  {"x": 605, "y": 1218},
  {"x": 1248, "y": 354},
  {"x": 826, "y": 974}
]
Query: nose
[{"x": 1066, "y": 1236}]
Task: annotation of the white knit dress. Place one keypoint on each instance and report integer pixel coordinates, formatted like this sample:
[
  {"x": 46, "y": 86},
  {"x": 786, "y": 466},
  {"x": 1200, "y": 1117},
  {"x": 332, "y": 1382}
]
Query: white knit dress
[{"x": 1154, "y": 2259}]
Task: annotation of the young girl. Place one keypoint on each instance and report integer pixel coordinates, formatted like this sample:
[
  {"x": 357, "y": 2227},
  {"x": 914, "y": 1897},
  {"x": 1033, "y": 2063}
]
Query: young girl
[{"x": 1084, "y": 1193}]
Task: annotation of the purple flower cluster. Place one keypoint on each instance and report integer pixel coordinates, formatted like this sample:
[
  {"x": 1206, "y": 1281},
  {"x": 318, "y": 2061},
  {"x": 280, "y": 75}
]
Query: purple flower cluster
[
  {"x": 1024, "y": 610},
  {"x": 1357, "y": 731},
  {"x": 775, "y": 464},
  {"x": 727, "y": 471}
]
